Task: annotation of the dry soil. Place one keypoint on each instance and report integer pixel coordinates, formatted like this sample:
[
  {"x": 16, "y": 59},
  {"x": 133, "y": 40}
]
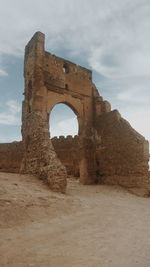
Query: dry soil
[{"x": 90, "y": 226}]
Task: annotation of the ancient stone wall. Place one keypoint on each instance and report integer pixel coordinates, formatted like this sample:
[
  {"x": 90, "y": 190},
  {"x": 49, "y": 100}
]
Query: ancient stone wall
[
  {"x": 67, "y": 150},
  {"x": 50, "y": 80},
  {"x": 122, "y": 155},
  {"x": 109, "y": 150},
  {"x": 39, "y": 157},
  {"x": 11, "y": 155},
  {"x": 72, "y": 85},
  {"x": 77, "y": 154}
]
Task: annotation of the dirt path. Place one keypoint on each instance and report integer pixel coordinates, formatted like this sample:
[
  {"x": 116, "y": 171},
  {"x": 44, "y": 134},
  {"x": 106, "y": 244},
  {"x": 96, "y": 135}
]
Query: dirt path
[{"x": 91, "y": 226}]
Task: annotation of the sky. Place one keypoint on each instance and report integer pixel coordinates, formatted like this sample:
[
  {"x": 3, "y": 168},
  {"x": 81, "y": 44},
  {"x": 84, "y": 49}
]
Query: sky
[{"x": 112, "y": 38}]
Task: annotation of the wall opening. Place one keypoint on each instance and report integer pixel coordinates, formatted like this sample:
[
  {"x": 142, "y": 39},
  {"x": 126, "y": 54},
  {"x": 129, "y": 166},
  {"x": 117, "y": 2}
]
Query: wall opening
[
  {"x": 65, "y": 68},
  {"x": 63, "y": 131},
  {"x": 63, "y": 121}
]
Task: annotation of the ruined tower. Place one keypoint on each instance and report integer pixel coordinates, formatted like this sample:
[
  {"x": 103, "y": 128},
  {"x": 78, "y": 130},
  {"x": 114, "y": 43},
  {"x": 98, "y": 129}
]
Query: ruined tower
[{"x": 110, "y": 151}]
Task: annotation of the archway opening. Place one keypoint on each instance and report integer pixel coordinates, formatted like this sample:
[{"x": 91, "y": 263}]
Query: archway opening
[
  {"x": 64, "y": 128},
  {"x": 63, "y": 121}
]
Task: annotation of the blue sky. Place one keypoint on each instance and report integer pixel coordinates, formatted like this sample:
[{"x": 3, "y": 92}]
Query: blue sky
[{"x": 110, "y": 37}]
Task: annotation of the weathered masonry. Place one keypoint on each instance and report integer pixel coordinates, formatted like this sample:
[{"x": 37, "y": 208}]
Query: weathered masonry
[{"x": 109, "y": 150}]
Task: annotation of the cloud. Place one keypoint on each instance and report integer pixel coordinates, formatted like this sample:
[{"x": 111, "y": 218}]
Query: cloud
[
  {"x": 130, "y": 95},
  {"x": 3, "y": 73},
  {"x": 111, "y": 37},
  {"x": 138, "y": 119},
  {"x": 13, "y": 106},
  {"x": 63, "y": 121},
  {"x": 64, "y": 127},
  {"x": 12, "y": 114}
]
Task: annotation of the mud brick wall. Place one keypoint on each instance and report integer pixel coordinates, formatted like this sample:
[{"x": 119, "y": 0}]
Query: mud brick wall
[
  {"x": 39, "y": 158},
  {"x": 109, "y": 150},
  {"x": 11, "y": 155},
  {"x": 50, "y": 80},
  {"x": 122, "y": 156},
  {"x": 67, "y": 150}
]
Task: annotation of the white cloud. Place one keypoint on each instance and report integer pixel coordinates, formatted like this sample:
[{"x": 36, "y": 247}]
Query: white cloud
[
  {"x": 64, "y": 127},
  {"x": 114, "y": 36},
  {"x": 111, "y": 36},
  {"x": 138, "y": 119},
  {"x": 3, "y": 73},
  {"x": 8, "y": 119},
  {"x": 13, "y": 106},
  {"x": 12, "y": 114},
  {"x": 131, "y": 96}
]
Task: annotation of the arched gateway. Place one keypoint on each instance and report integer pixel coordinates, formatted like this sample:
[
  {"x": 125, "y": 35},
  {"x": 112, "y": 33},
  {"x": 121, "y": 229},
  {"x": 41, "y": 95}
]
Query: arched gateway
[
  {"x": 70, "y": 108},
  {"x": 63, "y": 121},
  {"x": 103, "y": 134}
]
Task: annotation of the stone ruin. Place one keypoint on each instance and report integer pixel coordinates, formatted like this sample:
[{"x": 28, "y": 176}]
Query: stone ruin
[{"x": 107, "y": 149}]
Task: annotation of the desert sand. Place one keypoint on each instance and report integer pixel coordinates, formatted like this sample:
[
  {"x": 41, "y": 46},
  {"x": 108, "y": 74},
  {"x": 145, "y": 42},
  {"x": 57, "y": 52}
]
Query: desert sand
[{"x": 90, "y": 226}]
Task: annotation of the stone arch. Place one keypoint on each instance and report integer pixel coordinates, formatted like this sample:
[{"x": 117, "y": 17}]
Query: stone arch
[
  {"x": 104, "y": 135},
  {"x": 75, "y": 111},
  {"x": 52, "y": 84},
  {"x": 66, "y": 144}
]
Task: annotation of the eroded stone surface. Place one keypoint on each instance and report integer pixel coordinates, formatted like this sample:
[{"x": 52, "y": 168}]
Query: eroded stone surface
[
  {"x": 67, "y": 150},
  {"x": 107, "y": 150}
]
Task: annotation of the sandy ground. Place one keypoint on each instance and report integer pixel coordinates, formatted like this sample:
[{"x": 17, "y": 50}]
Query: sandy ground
[{"x": 90, "y": 226}]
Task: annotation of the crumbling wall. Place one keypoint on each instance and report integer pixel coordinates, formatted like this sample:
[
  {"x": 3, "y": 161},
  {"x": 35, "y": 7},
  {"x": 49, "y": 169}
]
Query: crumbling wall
[
  {"x": 39, "y": 157},
  {"x": 122, "y": 155},
  {"x": 11, "y": 155},
  {"x": 109, "y": 150},
  {"x": 72, "y": 87},
  {"x": 67, "y": 150},
  {"x": 50, "y": 80},
  {"x": 78, "y": 156}
]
